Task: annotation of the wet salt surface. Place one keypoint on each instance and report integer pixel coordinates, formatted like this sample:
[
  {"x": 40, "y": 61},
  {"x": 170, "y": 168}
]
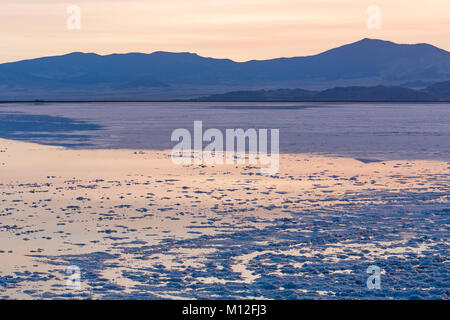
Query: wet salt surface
[
  {"x": 279, "y": 270},
  {"x": 369, "y": 131},
  {"x": 274, "y": 240},
  {"x": 297, "y": 235}
]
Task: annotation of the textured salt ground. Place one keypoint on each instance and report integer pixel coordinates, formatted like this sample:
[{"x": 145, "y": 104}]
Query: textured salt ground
[{"x": 139, "y": 227}]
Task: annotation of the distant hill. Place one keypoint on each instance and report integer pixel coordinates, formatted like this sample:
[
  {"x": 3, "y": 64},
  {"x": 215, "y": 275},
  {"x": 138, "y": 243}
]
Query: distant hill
[
  {"x": 435, "y": 92},
  {"x": 441, "y": 90},
  {"x": 262, "y": 95},
  {"x": 165, "y": 75},
  {"x": 372, "y": 93}
]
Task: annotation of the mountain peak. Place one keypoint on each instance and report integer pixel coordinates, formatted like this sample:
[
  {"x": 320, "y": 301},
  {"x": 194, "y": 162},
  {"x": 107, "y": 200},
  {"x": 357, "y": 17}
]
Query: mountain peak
[
  {"x": 365, "y": 40},
  {"x": 79, "y": 54},
  {"x": 162, "y": 53},
  {"x": 378, "y": 43},
  {"x": 373, "y": 42}
]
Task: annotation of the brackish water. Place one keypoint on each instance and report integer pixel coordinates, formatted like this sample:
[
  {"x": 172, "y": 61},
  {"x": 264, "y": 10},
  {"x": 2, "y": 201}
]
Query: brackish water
[{"x": 384, "y": 131}]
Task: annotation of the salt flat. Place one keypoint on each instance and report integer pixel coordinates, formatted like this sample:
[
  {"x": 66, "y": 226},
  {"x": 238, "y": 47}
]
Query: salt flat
[
  {"x": 387, "y": 131},
  {"x": 139, "y": 226}
]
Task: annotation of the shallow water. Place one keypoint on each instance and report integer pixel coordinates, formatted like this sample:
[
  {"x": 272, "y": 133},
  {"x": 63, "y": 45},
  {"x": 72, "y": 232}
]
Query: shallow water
[
  {"x": 360, "y": 130},
  {"x": 139, "y": 227}
]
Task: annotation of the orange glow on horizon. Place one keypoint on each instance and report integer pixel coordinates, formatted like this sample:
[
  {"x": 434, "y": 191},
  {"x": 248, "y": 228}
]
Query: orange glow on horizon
[{"x": 240, "y": 30}]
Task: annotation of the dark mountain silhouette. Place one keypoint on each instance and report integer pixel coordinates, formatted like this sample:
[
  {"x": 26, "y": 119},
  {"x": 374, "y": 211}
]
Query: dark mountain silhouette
[
  {"x": 165, "y": 75},
  {"x": 263, "y": 95},
  {"x": 372, "y": 93},
  {"x": 436, "y": 92},
  {"x": 441, "y": 90}
]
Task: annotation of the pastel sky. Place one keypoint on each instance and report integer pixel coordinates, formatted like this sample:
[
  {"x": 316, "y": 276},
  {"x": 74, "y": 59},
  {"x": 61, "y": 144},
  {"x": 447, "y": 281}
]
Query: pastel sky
[{"x": 237, "y": 29}]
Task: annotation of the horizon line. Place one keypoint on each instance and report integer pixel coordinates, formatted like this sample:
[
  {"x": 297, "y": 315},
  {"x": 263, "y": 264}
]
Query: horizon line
[{"x": 39, "y": 101}]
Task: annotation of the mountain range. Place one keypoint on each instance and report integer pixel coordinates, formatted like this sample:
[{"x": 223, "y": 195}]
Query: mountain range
[
  {"x": 436, "y": 92},
  {"x": 166, "y": 75}
]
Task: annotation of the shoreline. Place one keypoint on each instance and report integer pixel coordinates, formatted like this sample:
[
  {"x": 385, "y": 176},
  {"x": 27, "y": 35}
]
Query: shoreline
[
  {"x": 364, "y": 160},
  {"x": 71, "y": 147}
]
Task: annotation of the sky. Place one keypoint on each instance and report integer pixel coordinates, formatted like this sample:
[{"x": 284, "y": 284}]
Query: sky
[{"x": 236, "y": 29}]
